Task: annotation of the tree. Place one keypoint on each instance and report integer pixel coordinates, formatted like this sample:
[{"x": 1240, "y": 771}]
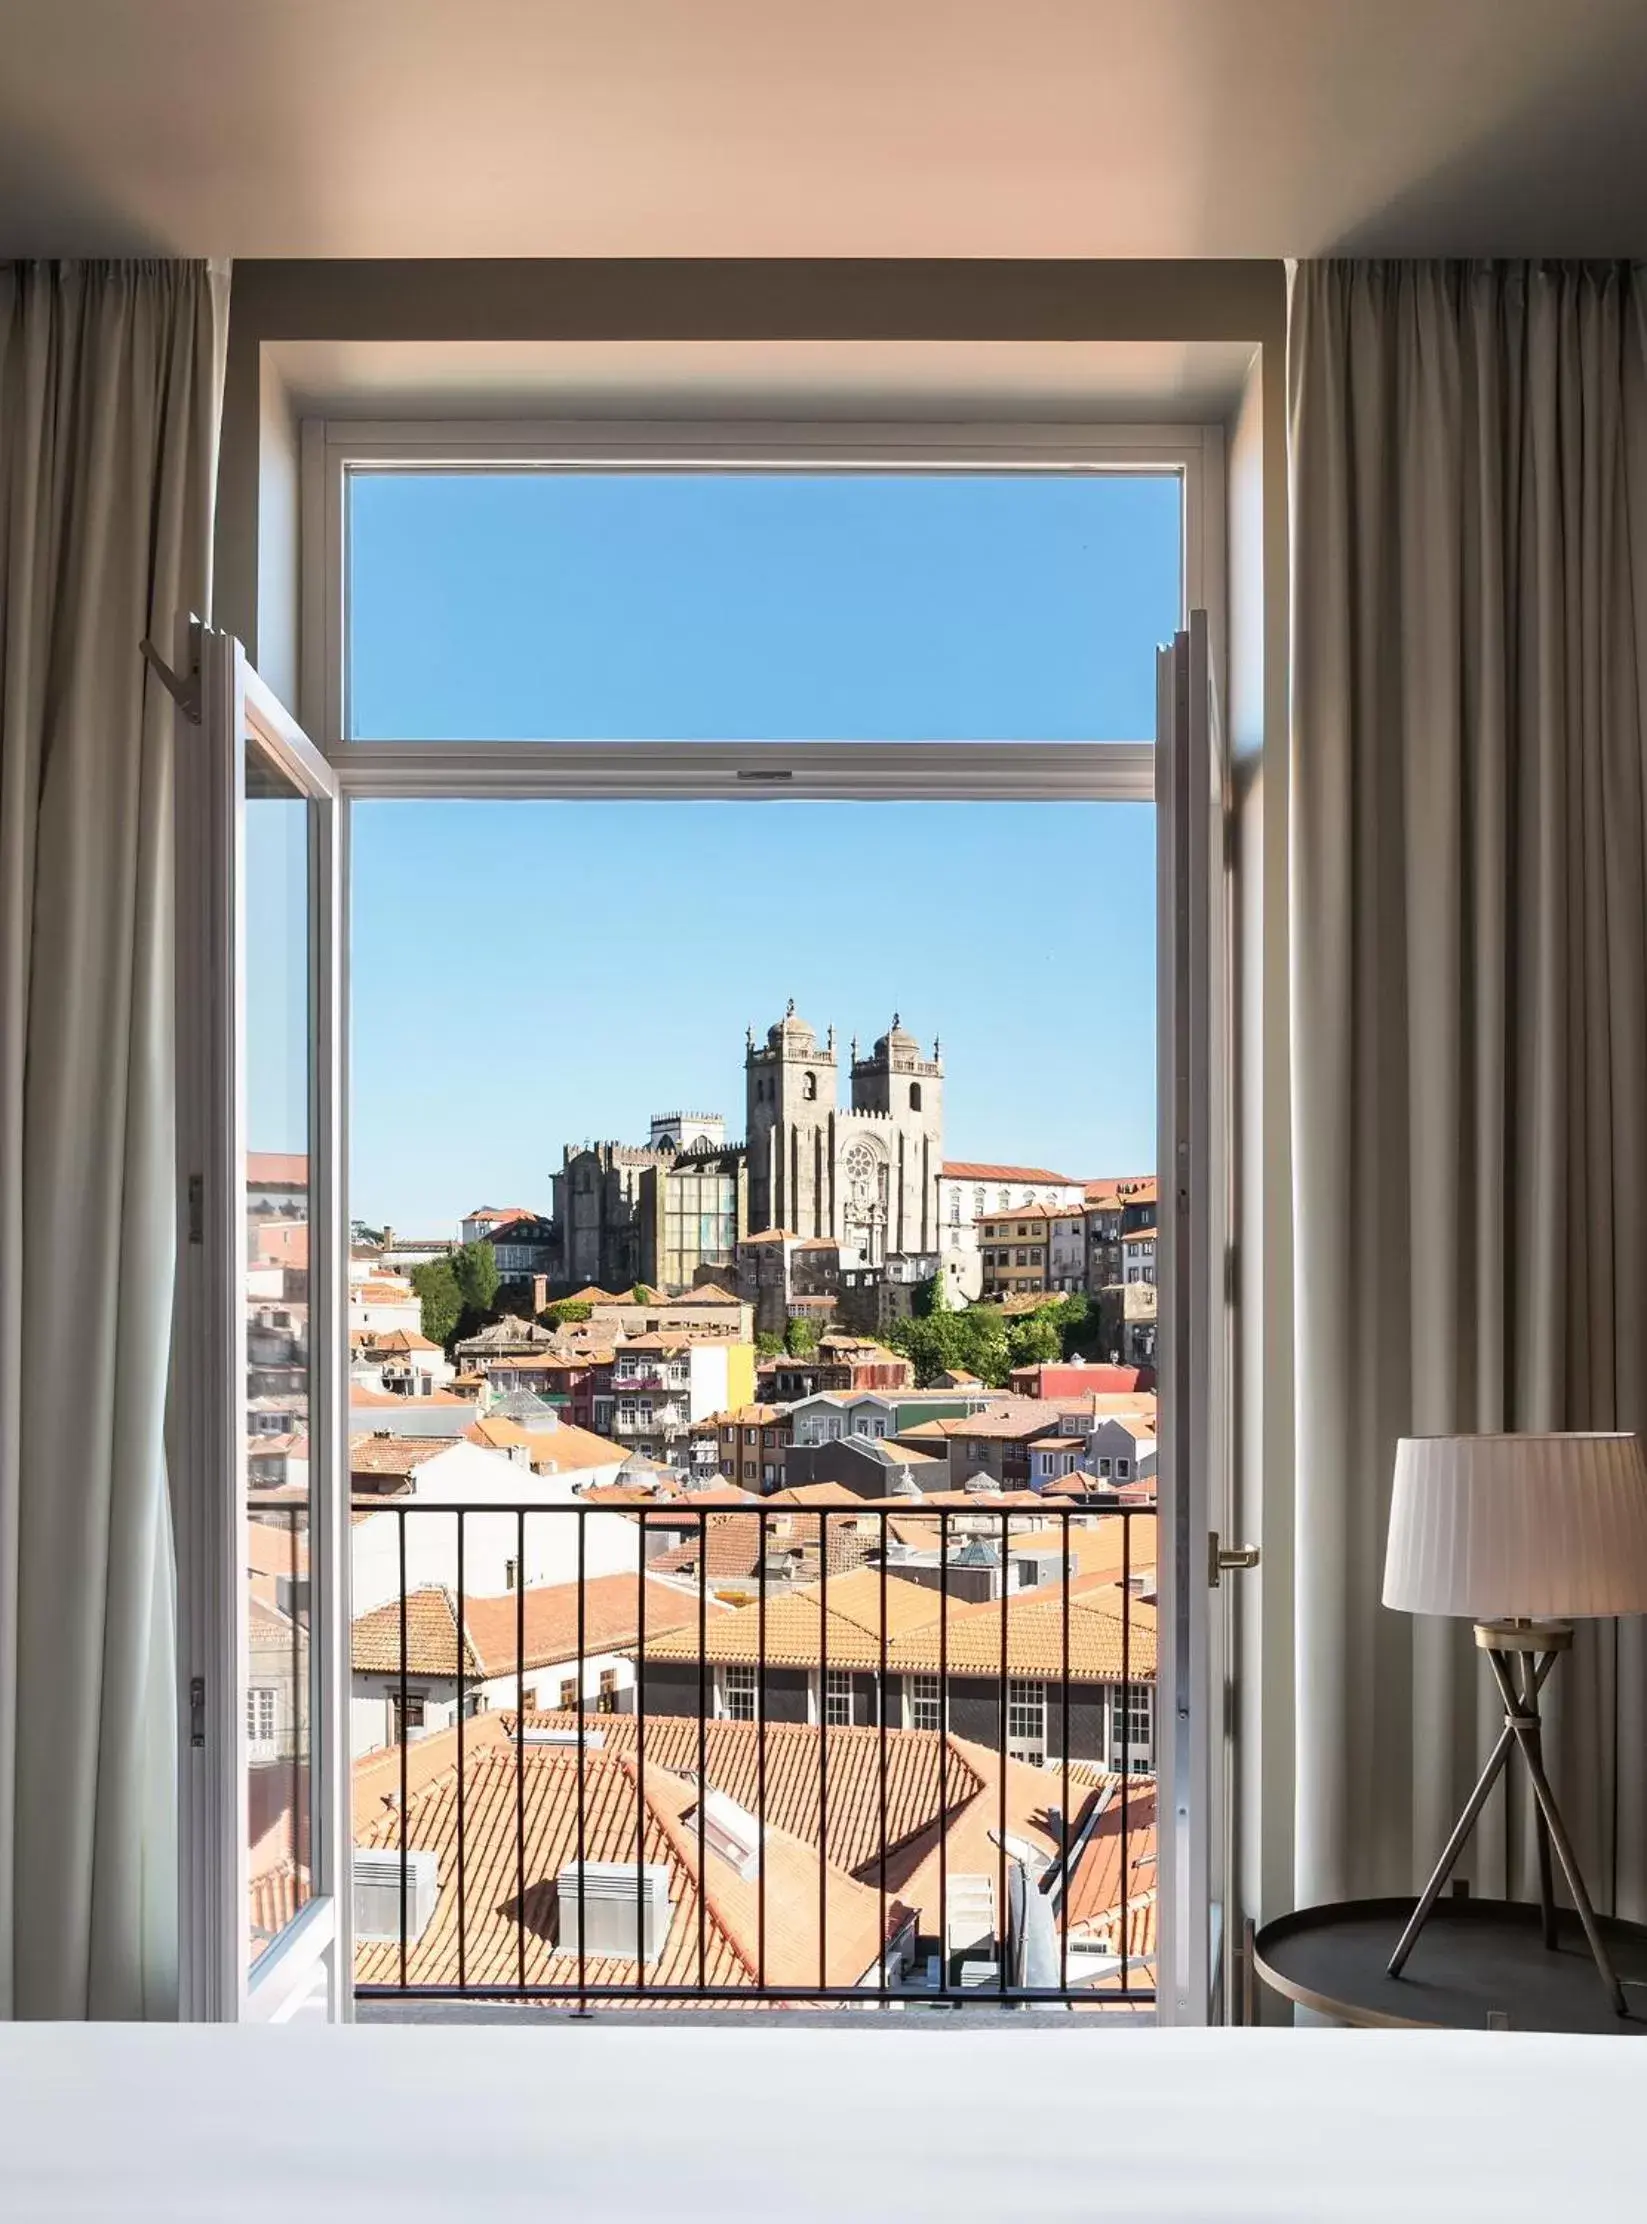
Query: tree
[
  {"x": 800, "y": 1338},
  {"x": 1034, "y": 1341},
  {"x": 643, "y": 1294},
  {"x": 564, "y": 1311},
  {"x": 475, "y": 1270},
  {"x": 442, "y": 1300},
  {"x": 768, "y": 1343},
  {"x": 931, "y": 1297}
]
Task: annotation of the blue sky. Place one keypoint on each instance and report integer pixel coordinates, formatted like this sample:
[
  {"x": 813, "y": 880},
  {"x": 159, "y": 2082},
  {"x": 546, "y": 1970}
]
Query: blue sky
[{"x": 526, "y": 975}]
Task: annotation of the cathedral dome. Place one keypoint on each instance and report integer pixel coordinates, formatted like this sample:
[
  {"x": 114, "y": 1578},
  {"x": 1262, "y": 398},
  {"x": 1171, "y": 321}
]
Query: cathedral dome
[
  {"x": 896, "y": 1038},
  {"x": 791, "y": 1033}
]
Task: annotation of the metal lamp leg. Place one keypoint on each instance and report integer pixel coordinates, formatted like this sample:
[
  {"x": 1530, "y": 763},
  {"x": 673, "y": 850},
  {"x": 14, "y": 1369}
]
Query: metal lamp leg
[
  {"x": 1525, "y": 1726},
  {"x": 1453, "y": 1848}
]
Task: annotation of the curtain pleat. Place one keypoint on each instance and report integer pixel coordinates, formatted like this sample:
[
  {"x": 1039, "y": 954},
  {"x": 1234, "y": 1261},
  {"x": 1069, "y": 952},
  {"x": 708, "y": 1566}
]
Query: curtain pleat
[
  {"x": 1468, "y": 452},
  {"x": 110, "y": 395}
]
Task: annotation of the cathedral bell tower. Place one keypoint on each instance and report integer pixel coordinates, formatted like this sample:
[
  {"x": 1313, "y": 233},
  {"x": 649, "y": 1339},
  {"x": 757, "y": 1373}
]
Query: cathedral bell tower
[{"x": 791, "y": 1089}]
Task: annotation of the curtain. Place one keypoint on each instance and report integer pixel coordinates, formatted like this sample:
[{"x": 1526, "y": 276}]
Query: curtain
[
  {"x": 110, "y": 391},
  {"x": 1468, "y": 452}
]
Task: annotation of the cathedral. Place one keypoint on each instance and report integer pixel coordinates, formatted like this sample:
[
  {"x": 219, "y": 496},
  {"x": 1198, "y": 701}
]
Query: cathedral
[{"x": 865, "y": 1174}]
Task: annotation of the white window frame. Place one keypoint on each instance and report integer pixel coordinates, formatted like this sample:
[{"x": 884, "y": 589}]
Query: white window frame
[
  {"x": 1026, "y": 770},
  {"x": 740, "y": 1680}
]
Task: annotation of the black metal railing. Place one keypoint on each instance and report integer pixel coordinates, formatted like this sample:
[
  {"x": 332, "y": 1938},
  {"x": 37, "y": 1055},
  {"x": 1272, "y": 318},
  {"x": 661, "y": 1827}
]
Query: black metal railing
[{"x": 720, "y": 1764}]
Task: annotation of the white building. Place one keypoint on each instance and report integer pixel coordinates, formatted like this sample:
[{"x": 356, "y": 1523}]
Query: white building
[
  {"x": 968, "y": 1189},
  {"x": 476, "y": 1226},
  {"x": 1067, "y": 1250},
  {"x": 492, "y": 1541},
  {"x": 664, "y": 1384}
]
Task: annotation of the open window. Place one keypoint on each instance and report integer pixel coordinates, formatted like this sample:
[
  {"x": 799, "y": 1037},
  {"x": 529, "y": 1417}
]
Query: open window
[{"x": 299, "y": 1679}]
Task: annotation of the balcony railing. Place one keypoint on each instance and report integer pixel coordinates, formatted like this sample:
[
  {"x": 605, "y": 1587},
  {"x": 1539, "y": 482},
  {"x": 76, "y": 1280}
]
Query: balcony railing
[{"x": 921, "y": 1778}]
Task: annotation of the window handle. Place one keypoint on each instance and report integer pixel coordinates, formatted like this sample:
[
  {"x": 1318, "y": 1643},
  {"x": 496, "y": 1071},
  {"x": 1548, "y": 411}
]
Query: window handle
[{"x": 1223, "y": 1558}]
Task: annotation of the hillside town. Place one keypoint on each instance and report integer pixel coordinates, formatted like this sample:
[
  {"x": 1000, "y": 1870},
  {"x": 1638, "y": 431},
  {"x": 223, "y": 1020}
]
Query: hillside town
[{"x": 802, "y": 1633}]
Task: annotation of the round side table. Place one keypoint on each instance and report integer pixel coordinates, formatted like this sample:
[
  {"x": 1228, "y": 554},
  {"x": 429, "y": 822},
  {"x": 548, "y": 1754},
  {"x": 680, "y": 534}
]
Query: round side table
[{"x": 1477, "y": 1965}]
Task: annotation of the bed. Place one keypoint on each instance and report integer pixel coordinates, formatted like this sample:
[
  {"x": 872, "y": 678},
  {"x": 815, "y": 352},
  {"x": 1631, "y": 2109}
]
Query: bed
[{"x": 923, "y": 2121}]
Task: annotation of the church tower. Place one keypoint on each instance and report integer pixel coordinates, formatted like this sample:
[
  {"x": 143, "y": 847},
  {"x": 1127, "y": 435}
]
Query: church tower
[
  {"x": 791, "y": 1095},
  {"x": 895, "y": 1083}
]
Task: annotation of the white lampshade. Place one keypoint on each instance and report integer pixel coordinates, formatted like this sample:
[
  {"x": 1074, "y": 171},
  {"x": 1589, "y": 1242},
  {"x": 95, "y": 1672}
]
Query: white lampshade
[{"x": 1496, "y": 1527}]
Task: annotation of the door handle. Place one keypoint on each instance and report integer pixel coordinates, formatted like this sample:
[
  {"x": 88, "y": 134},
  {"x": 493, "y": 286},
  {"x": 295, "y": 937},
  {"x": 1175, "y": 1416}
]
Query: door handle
[{"x": 1222, "y": 1558}]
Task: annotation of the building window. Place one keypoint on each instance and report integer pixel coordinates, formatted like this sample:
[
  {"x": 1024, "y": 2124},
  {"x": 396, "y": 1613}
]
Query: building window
[
  {"x": 1026, "y": 1719},
  {"x": 1123, "y": 1468},
  {"x": 568, "y": 1693},
  {"x": 260, "y": 1714},
  {"x": 607, "y": 1702},
  {"x": 838, "y": 1697},
  {"x": 914, "y": 1096},
  {"x": 1139, "y": 1718},
  {"x": 740, "y": 1691},
  {"x": 405, "y": 1715},
  {"x": 511, "y": 1574},
  {"x": 925, "y": 1703}
]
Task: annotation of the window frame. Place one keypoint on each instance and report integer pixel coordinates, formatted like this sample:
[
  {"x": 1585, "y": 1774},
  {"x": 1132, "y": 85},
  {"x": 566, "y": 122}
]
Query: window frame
[{"x": 1025, "y": 770}]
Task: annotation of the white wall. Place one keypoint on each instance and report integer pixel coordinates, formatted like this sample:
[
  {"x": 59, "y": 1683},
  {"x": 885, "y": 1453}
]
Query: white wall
[{"x": 468, "y": 1472}]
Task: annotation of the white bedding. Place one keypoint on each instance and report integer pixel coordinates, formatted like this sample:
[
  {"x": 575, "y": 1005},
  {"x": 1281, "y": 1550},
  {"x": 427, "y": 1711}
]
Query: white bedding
[{"x": 487, "y": 2124}]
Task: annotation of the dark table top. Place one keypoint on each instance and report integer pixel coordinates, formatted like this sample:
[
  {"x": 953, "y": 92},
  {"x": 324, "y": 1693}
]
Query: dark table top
[{"x": 1474, "y": 1959}]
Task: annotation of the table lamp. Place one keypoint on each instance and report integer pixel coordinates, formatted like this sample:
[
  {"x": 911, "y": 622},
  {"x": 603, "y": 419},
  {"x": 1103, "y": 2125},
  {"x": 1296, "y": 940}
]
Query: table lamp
[{"x": 1524, "y": 1535}]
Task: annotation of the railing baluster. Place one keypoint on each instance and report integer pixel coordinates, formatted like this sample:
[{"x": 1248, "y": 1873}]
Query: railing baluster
[
  {"x": 943, "y": 1750},
  {"x": 583, "y": 1942},
  {"x": 1001, "y": 1825},
  {"x": 1065, "y": 1833},
  {"x": 520, "y": 1745},
  {"x": 463, "y": 1953},
  {"x": 880, "y": 1716},
  {"x": 405, "y": 1702},
  {"x": 823, "y": 1743},
  {"x": 760, "y": 1756},
  {"x": 640, "y": 1762},
  {"x": 703, "y": 1744},
  {"x": 1126, "y": 1739}
]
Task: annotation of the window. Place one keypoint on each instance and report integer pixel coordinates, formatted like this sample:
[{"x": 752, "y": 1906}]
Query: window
[
  {"x": 1026, "y": 1719},
  {"x": 607, "y": 1701},
  {"x": 405, "y": 1715},
  {"x": 925, "y": 1703},
  {"x": 511, "y": 1574},
  {"x": 260, "y": 1714},
  {"x": 704, "y": 841},
  {"x": 1136, "y": 1752},
  {"x": 568, "y": 1693},
  {"x": 1123, "y": 1468}
]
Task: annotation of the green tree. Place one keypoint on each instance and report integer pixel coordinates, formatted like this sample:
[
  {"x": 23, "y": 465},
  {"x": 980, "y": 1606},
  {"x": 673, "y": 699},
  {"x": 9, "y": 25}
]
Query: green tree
[
  {"x": 800, "y": 1338},
  {"x": 564, "y": 1311},
  {"x": 442, "y": 1300},
  {"x": 768, "y": 1343},
  {"x": 1034, "y": 1341},
  {"x": 931, "y": 1297},
  {"x": 475, "y": 1270}
]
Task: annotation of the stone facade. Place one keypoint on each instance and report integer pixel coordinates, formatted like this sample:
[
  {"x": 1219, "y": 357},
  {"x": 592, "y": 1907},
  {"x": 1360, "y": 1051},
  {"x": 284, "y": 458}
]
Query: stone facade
[{"x": 864, "y": 1174}]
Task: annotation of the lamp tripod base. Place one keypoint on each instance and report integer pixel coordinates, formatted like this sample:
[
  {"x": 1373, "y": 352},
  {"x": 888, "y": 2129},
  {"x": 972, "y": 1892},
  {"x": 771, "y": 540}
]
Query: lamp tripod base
[{"x": 1536, "y": 1647}]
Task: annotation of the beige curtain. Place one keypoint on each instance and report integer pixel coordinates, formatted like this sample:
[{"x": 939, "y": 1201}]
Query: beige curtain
[
  {"x": 1469, "y": 1001},
  {"x": 110, "y": 388}
]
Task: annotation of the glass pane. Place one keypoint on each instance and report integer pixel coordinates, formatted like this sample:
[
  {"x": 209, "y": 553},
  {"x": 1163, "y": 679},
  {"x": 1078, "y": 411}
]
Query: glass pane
[
  {"x": 760, "y": 606},
  {"x": 277, "y": 1668}
]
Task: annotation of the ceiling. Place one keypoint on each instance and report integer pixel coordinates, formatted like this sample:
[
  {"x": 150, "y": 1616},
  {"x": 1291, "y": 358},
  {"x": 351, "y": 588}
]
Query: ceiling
[{"x": 837, "y": 128}]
